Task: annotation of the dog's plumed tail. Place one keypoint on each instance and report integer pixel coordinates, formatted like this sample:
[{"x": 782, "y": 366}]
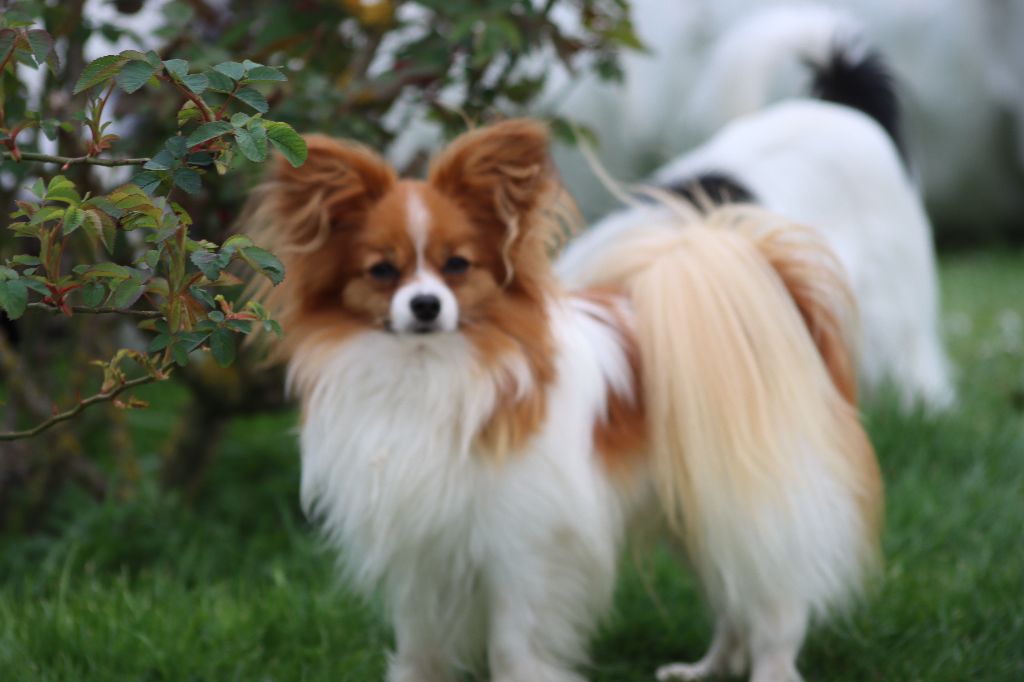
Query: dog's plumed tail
[
  {"x": 760, "y": 462},
  {"x": 758, "y": 59}
]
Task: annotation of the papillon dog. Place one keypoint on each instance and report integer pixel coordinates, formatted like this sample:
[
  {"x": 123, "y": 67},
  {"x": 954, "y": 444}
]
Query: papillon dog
[
  {"x": 834, "y": 162},
  {"x": 476, "y": 439}
]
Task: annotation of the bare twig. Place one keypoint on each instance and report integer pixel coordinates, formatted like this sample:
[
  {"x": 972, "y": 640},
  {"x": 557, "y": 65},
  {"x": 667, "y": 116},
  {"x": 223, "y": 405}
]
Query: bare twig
[
  {"x": 82, "y": 404},
  {"x": 74, "y": 160},
  {"x": 103, "y": 310}
]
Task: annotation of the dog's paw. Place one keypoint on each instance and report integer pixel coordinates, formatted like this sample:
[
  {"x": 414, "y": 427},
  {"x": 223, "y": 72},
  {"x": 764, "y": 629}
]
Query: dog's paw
[{"x": 684, "y": 671}]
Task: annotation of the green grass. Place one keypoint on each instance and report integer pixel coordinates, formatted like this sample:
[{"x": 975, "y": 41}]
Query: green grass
[{"x": 235, "y": 586}]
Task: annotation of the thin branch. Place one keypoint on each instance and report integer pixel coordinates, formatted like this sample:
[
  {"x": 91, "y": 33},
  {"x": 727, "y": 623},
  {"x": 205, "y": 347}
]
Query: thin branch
[
  {"x": 160, "y": 375},
  {"x": 73, "y": 160},
  {"x": 103, "y": 310}
]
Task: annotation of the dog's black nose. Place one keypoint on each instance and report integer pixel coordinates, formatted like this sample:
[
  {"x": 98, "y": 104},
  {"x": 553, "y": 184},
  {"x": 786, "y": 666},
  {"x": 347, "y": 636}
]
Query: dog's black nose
[{"x": 426, "y": 307}]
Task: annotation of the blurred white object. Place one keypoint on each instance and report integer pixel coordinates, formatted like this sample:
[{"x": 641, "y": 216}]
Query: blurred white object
[
  {"x": 959, "y": 67},
  {"x": 833, "y": 167}
]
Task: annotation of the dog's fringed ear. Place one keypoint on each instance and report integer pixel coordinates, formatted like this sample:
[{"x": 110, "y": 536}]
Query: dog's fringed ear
[
  {"x": 500, "y": 175},
  {"x": 333, "y": 189}
]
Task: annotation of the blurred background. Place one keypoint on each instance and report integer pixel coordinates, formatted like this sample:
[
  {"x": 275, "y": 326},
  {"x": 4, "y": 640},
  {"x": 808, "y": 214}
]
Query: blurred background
[{"x": 166, "y": 542}]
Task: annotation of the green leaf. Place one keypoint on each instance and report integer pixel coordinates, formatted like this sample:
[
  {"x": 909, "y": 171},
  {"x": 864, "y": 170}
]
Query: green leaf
[
  {"x": 252, "y": 143},
  {"x": 232, "y": 70},
  {"x": 197, "y": 83},
  {"x": 7, "y": 40},
  {"x": 13, "y": 298},
  {"x": 265, "y": 262},
  {"x": 25, "y": 259},
  {"x": 177, "y": 67},
  {"x": 103, "y": 226},
  {"x": 288, "y": 142},
  {"x": 134, "y": 75},
  {"x": 208, "y": 131},
  {"x": 147, "y": 181},
  {"x": 45, "y": 214},
  {"x": 222, "y": 343},
  {"x": 177, "y": 146},
  {"x": 254, "y": 98},
  {"x": 99, "y": 70},
  {"x": 188, "y": 111},
  {"x": 73, "y": 219},
  {"x": 126, "y": 293},
  {"x": 238, "y": 120},
  {"x": 106, "y": 270},
  {"x": 218, "y": 82},
  {"x": 209, "y": 263},
  {"x": 162, "y": 160},
  {"x": 264, "y": 73},
  {"x": 159, "y": 342},
  {"x": 188, "y": 180},
  {"x": 41, "y": 44},
  {"x": 180, "y": 354},
  {"x": 93, "y": 294}
]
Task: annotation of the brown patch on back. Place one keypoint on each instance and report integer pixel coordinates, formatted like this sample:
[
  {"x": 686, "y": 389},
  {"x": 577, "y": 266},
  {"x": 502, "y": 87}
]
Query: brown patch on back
[{"x": 620, "y": 436}]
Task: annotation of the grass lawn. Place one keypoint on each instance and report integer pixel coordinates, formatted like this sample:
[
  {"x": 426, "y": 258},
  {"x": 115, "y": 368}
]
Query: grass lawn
[{"x": 235, "y": 586}]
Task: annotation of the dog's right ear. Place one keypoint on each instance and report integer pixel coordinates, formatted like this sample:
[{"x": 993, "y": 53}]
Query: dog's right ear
[{"x": 332, "y": 190}]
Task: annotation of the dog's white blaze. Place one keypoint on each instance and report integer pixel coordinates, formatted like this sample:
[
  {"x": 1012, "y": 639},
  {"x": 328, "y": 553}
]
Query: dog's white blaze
[
  {"x": 423, "y": 283},
  {"x": 417, "y": 223}
]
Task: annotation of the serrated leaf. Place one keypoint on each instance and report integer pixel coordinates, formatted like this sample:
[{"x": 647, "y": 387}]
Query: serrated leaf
[
  {"x": 254, "y": 98},
  {"x": 264, "y": 73},
  {"x": 252, "y": 143},
  {"x": 288, "y": 142},
  {"x": 41, "y": 44},
  {"x": 99, "y": 70},
  {"x": 197, "y": 83},
  {"x": 25, "y": 259},
  {"x": 134, "y": 75},
  {"x": 67, "y": 195},
  {"x": 106, "y": 271},
  {"x": 235, "y": 242},
  {"x": 180, "y": 354},
  {"x": 73, "y": 219},
  {"x": 126, "y": 293},
  {"x": 177, "y": 67},
  {"x": 208, "y": 131},
  {"x": 222, "y": 344},
  {"x": 188, "y": 180},
  {"x": 162, "y": 160},
  {"x": 7, "y": 39},
  {"x": 264, "y": 262},
  {"x": 93, "y": 294},
  {"x": 232, "y": 70},
  {"x": 159, "y": 342},
  {"x": 147, "y": 181},
  {"x": 13, "y": 298},
  {"x": 177, "y": 146},
  {"x": 239, "y": 120},
  {"x": 45, "y": 214},
  {"x": 104, "y": 227},
  {"x": 209, "y": 263},
  {"x": 218, "y": 82}
]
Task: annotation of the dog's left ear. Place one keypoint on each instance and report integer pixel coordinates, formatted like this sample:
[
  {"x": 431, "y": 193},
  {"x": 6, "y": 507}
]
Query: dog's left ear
[{"x": 500, "y": 175}]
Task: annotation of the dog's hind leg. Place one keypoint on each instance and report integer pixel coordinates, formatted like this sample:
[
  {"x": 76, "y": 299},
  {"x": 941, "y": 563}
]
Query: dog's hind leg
[
  {"x": 727, "y": 656},
  {"x": 775, "y": 638}
]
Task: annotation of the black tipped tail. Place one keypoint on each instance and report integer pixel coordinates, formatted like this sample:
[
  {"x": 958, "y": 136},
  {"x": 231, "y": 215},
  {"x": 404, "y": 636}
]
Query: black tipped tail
[{"x": 864, "y": 82}]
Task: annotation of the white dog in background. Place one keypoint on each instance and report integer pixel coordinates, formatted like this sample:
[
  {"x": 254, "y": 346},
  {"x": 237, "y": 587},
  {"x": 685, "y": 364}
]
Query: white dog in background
[{"x": 834, "y": 163}]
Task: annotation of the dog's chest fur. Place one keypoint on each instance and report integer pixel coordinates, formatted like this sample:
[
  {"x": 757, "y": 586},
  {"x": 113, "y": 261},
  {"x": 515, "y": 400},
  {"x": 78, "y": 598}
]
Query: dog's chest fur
[{"x": 389, "y": 467}]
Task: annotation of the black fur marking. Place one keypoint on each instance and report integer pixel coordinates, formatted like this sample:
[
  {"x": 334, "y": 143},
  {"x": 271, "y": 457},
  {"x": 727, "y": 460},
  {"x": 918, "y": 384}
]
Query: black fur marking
[
  {"x": 864, "y": 84},
  {"x": 712, "y": 188}
]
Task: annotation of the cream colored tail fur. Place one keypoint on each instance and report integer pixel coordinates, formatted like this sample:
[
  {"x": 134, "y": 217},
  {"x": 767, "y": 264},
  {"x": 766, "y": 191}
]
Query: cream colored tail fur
[{"x": 759, "y": 458}]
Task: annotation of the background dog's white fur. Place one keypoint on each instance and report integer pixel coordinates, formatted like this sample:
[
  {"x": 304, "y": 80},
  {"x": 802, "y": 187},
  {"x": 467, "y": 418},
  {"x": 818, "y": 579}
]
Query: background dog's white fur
[{"x": 833, "y": 168}]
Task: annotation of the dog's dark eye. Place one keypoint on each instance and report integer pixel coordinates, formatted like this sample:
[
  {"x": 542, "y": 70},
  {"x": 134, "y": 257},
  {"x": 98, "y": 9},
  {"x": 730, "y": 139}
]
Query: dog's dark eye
[
  {"x": 383, "y": 271},
  {"x": 456, "y": 265}
]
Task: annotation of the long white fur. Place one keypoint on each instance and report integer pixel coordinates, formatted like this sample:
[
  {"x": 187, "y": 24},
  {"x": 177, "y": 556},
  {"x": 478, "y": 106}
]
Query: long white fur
[
  {"x": 835, "y": 169},
  {"x": 515, "y": 558}
]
